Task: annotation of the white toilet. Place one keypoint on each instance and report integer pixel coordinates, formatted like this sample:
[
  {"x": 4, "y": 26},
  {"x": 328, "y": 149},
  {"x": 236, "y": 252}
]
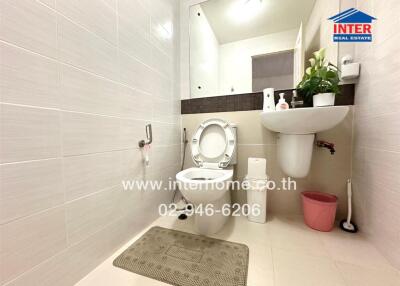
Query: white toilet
[{"x": 213, "y": 149}]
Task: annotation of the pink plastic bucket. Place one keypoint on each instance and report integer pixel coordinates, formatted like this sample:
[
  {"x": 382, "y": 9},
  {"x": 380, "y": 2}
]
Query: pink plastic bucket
[{"x": 319, "y": 210}]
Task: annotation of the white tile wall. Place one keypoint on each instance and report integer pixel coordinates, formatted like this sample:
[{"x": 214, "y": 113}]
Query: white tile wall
[
  {"x": 30, "y": 241},
  {"x": 27, "y": 78},
  {"x": 135, "y": 73},
  {"x": 84, "y": 92},
  {"x": 79, "y": 80},
  {"x": 137, "y": 28},
  {"x": 136, "y": 104},
  {"x": 91, "y": 173},
  {"x": 30, "y": 187},
  {"x": 96, "y": 16},
  {"x": 37, "y": 33},
  {"x": 28, "y": 133},
  {"x": 85, "y": 50},
  {"x": 85, "y": 133},
  {"x": 377, "y": 131},
  {"x": 88, "y": 215}
]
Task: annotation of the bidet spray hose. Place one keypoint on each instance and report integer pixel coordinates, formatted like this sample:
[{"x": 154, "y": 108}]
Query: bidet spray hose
[{"x": 185, "y": 142}]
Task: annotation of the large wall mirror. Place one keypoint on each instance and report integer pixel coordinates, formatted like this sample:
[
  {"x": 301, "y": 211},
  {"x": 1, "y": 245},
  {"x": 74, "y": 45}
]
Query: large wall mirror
[{"x": 244, "y": 46}]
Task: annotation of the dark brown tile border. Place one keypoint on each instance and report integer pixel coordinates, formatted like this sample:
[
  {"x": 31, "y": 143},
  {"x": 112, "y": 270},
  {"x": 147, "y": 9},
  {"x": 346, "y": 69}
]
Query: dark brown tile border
[{"x": 250, "y": 101}]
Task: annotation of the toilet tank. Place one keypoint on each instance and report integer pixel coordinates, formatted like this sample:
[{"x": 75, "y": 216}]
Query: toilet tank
[{"x": 234, "y": 156}]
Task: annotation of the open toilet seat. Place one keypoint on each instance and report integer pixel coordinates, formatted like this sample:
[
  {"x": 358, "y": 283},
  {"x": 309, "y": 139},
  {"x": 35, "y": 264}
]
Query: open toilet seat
[
  {"x": 208, "y": 184},
  {"x": 204, "y": 176},
  {"x": 213, "y": 144}
]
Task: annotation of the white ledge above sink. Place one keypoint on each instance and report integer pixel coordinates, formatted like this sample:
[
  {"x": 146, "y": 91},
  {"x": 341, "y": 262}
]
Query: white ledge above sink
[{"x": 304, "y": 120}]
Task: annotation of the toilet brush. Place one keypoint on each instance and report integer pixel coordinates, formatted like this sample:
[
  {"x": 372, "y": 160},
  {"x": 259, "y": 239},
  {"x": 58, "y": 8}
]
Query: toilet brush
[{"x": 347, "y": 224}]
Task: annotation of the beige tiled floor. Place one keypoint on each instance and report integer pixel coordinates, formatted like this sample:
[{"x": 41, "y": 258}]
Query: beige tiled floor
[{"x": 283, "y": 252}]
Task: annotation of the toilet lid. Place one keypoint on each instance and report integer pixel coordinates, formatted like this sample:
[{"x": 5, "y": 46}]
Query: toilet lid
[{"x": 213, "y": 144}]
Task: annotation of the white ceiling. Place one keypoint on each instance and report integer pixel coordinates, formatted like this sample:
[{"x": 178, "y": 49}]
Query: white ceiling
[{"x": 273, "y": 16}]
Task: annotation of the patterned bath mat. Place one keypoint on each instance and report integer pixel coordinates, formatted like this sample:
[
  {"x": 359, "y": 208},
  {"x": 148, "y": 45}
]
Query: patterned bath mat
[{"x": 185, "y": 259}]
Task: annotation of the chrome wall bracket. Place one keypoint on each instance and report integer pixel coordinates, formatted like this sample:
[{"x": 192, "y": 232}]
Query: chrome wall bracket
[{"x": 149, "y": 137}]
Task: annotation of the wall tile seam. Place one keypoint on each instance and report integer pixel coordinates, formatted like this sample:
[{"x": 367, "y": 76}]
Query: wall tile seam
[
  {"x": 148, "y": 41},
  {"x": 395, "y": 150},
  {"x": 147, "y": 32},
  {"x": 107, "y": 4},
  {"x": 70, "y": 156},
  {"x": 69, "y": 201},
  {"x": 368, "y": 52},
  {"x": 59, "y": 13},
  {"x": 65, "y": 203},
  {"x": 15, "y": 220},
  {"x": 103, "y": 190},
  {"x": 155, "y": 146},
  {"x": 31, "y": 161},
  {"x": 360, "y": 118},
  {"x": 114, "y": 220},
  {"x": 117, "y": 36},
  {"x": 88, "y": 113},
  {"x": 146, "y": 65},
  {"x": 58, "y": 62},
  {"x": 59, "y": 253},
  {"x": 72, "y": 111},
  {"x": 379, "y": 150},
  {"x": 116, "y": 47},
  {"x": 352, "y": 146},
  {"x": 165, "y": 145}
]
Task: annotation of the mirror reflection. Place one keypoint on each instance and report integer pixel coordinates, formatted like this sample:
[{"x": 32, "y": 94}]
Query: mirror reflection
[{"x": 244, "y": 46}]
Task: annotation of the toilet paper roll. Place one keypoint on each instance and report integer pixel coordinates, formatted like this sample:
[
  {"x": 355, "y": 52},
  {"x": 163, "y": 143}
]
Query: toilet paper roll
[{"x": 350, "y": 71}]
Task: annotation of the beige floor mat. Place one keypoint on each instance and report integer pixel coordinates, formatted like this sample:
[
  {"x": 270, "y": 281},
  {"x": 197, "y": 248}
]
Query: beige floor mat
[{"x": 185, "y": 259}]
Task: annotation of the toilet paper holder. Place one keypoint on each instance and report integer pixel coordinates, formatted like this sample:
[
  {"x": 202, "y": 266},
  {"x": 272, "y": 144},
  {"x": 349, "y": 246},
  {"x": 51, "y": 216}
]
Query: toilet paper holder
[
  {"x": 349, "y": 70},
  {"x": 149, "y": 137}
]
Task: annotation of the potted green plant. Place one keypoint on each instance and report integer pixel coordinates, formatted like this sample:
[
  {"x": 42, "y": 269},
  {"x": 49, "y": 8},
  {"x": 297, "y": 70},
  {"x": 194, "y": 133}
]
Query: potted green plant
[{"x": 320, "y": 81}]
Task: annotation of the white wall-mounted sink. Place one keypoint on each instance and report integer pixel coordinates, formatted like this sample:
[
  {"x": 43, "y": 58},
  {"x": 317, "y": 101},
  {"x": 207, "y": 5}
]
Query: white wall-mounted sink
[
  {"x": 304, "y": 120},
  {"x": 297, "y": 128}
]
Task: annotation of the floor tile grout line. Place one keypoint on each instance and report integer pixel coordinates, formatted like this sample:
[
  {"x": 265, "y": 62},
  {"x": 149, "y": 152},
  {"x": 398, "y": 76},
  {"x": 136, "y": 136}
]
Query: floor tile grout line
[
  {"x": 341, "y": 274},
  {"x": 273, "y": 265}
]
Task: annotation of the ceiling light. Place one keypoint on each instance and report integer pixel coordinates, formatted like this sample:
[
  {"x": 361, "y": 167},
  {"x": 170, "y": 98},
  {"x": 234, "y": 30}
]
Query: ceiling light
[{"x": 244, "y": 10}]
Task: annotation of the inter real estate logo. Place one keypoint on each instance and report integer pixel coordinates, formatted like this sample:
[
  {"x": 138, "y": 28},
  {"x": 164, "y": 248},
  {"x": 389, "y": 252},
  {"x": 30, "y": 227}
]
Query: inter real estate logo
[{"x": 352, "y": 25}]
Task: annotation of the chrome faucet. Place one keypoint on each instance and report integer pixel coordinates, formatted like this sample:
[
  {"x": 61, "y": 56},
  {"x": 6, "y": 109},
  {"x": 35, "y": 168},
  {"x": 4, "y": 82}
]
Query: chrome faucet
[{"x": 295, "y": 102}]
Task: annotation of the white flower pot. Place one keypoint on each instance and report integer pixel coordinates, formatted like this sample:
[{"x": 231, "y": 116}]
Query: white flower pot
[{"x": 324, "y": 99}]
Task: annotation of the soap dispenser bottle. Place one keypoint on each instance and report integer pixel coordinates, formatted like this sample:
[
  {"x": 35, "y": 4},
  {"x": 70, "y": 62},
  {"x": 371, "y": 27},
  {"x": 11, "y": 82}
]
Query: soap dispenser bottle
[{"x": 282, "y": 104}]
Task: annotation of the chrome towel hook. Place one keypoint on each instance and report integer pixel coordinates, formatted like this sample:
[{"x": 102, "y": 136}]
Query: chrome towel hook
[{"x": 149, "y": 135}]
